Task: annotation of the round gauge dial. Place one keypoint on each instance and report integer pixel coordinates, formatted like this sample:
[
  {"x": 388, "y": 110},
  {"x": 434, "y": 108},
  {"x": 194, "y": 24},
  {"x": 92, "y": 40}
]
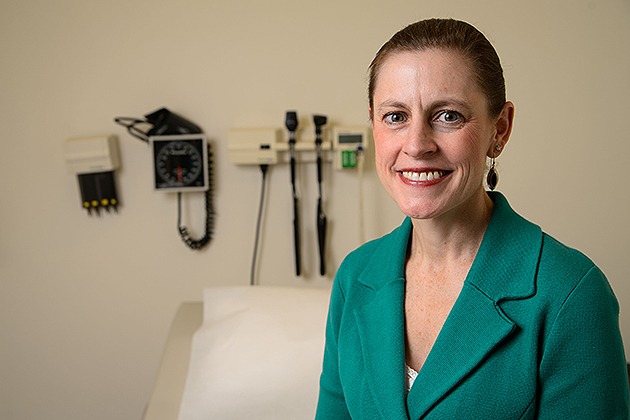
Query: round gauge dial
[{"x": 179, "y": 163}]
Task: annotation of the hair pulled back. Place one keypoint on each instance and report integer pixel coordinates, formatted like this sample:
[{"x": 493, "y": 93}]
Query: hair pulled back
[{"x": 449, "y": 35}]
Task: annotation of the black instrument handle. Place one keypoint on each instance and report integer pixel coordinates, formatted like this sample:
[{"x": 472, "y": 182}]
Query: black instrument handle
[
  {"x": 296, "y": 236},
  {"x": 321, "y": 236}
]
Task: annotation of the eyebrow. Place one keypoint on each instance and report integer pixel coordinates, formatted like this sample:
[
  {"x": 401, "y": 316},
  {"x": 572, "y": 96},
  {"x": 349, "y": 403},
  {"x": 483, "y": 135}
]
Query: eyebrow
[
  {"x": 452, "y": 102},
  {"x": 391, "y": 104},
  {"x": 466, "y": 106}
]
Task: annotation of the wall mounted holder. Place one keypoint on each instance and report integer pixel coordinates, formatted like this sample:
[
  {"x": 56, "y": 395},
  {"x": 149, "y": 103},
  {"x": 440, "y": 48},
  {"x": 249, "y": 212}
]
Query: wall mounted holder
[
  {"x": 94, "y": 160},
  {"x": 267, "y": 146}
]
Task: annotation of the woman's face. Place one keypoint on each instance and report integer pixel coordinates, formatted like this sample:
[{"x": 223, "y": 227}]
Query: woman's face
[{"x": 432, "y": 132}]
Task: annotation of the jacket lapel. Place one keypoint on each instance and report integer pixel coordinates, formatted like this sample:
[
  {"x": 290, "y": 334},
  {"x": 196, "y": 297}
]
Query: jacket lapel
[
  {"x": 383, "y": 348},
  {"x": 504, "y": 269},
  {"x": 473, "y": 328},
  {"x": 379, "y": 324}
]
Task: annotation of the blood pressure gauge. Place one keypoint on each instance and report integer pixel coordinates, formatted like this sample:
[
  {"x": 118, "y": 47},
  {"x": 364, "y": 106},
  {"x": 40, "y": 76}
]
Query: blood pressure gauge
[{"x": 180, "y": 162}]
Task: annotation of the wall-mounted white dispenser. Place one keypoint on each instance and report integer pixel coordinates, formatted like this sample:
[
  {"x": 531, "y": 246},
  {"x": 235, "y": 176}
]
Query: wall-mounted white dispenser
[{"x": 94, "y": 160}]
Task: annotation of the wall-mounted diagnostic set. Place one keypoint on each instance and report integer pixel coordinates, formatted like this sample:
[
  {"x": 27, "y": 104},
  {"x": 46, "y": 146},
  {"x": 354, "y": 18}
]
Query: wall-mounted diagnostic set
[
  {"x": 94, "y": 160},
  {"x": 268, "y": 146}
]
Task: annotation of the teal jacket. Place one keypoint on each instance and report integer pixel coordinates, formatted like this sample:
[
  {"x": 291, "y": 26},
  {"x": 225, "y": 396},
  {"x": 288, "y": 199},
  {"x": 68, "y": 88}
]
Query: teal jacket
[{"x": 534, "y": 334}]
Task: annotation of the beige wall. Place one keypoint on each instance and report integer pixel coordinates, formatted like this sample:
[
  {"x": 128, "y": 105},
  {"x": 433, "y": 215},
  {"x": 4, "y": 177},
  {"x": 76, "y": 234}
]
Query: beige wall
[{"x": 85, "y": 303}]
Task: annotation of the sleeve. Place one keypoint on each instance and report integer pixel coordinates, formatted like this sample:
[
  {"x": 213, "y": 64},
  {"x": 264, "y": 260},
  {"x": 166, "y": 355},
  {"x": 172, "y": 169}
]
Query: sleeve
[
  {"x": 332, "y": 404},
  {"x": 583, "y": 368}
]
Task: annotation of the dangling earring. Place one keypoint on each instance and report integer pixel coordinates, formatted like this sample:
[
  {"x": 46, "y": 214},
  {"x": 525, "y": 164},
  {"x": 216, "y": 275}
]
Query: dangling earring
[{"x": 493, "y": 176}]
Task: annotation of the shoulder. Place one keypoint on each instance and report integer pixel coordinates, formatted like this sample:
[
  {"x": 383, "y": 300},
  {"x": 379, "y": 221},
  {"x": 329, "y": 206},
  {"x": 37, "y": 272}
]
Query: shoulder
[
  {"x": 565, "y": 271},
  {"x": 529, "y": 263},
  {"x": 549, "y": 272},
  {"x": 524, "y": 244},
  {"x": 555, "y": 254}
]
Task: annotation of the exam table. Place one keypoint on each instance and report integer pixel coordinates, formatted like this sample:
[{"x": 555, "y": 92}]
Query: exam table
[
  {"x": 173, "y": 369},
  {"x": 242, "y": 352}
]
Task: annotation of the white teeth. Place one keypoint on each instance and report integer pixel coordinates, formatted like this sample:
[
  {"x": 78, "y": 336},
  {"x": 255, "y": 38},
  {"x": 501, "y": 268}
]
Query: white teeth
[{"x": 422, "y": 176}]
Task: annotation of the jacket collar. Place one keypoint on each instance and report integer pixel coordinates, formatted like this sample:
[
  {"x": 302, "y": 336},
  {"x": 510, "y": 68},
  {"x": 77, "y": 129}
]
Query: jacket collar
[
  {"x": 509, "y": 251},
  {"x": 507, "y": 260},
  {"x": 504, "y": 268}
]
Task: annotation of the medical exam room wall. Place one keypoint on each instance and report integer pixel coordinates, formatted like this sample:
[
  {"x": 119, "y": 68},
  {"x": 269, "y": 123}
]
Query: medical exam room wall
[{"x": 86, "y": 302}]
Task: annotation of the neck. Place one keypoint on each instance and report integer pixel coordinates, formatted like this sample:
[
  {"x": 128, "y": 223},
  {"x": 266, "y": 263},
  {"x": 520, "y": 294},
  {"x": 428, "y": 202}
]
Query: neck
[{"x": 451, "y": 238}]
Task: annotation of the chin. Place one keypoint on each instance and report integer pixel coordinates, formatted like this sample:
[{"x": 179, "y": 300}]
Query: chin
[{"x": 422, "y": 211}]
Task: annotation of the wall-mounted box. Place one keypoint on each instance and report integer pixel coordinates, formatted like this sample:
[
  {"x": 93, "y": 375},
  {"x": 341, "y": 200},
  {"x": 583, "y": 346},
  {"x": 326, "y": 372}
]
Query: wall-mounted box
[
  {"x": 347, "y": 143},
  {"x": 267, "y": 146},
  {"x": 94, "y": 160},
  {"x": 253, "y": 146},
  {"x": 91, "y": 154}
]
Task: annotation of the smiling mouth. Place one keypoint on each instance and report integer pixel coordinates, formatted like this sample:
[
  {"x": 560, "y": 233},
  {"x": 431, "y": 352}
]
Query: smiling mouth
[{"x": 423, "y": 176}]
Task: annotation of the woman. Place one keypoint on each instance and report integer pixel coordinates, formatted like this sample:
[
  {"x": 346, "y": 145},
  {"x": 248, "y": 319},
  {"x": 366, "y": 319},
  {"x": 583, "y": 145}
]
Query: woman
[{"x": 497, "y": 319}]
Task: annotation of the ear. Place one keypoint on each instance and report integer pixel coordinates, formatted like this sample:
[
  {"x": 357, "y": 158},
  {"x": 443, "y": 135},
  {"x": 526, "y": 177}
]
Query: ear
[
  {"x": 371, "y": 116},
  {"x": 503, "y": 129}
]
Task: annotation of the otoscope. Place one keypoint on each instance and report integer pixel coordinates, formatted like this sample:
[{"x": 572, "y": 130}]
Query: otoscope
[
  {"x": 291, "y": 122},
  {"x": 319, "y": 121}
]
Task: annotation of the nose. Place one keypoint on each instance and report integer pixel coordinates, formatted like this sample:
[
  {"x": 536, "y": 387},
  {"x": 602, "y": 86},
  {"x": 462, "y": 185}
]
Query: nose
[{"x": 420, "y": 140}]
